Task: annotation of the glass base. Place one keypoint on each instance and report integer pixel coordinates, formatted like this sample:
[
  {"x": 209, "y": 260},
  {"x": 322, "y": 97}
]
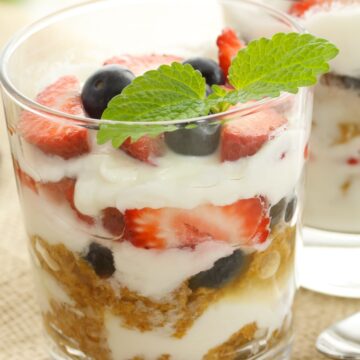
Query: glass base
[
  {"x": 329, "y": 263},
  {"x": 280, "y": 352}
]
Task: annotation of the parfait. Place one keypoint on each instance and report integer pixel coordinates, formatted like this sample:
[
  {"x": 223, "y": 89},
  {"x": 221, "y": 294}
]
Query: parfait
[
  {"x": 333, "y": 180},
  {"x": 166, "y": 230},
  {"x": 333, "y": 173}
]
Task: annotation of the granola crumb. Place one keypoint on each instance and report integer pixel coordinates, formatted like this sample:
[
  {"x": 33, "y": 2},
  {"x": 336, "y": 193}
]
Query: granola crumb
[
  {"x": 345, "y": 187},
  {"x": 227, "y": 351},
  {"x": 347, "y": 132}
]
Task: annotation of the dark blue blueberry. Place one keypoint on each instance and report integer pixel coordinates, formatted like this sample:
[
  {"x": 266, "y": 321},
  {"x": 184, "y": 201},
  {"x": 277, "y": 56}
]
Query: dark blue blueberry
[
  {"x": 290, "y": 209},
  {"x": 277, "y": 212},
  {"x": 102, "y": 86},
  {"x": 101, "y": 259},
  {"x": 351, "y": 82},
  {"x": 223, "y": 271},
  {"x": 209, "y": 69},
  {"x": 201, "y": 140}
]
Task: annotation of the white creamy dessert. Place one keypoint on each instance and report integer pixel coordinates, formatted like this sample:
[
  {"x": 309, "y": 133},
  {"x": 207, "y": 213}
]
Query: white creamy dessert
[
  {"x": 333, "y": 182},
  {"x": 125, "y": 183},
  {"x": 333, "y": 165},
  {"x": 156, "y": 248},
  {"x": 333, "y": 175},
  {"x": 114, "y": 179}
]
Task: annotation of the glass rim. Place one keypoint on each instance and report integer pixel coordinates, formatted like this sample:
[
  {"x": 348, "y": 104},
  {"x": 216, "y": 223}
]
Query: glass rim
[{"x": 31, "y": 105}]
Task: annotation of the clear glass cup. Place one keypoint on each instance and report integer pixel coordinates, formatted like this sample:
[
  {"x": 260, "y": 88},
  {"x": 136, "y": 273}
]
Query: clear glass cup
[
  {"x": 220, "y": 282},
  {"x": 332, "y": 207}
]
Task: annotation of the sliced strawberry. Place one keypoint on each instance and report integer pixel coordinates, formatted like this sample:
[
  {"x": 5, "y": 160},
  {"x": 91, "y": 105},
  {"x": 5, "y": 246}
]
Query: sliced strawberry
[
  {"x": 142, "y": 63},
  {"x": 299, "y": 8},
  {"x": 113, "y": 221},
  {"x": 146, "y": 149},
  {"x": 353, "y": 161},
  {"x": 64, "y": 190},
  {"x": 245, "y": 223},
  {"x": 55, "y": 136},
  {"x": 306, "y": 152},
  {"x": 245, "y": 136},
  {"x": 229, "y": 45},
  {"x": 24, "y": 178}
]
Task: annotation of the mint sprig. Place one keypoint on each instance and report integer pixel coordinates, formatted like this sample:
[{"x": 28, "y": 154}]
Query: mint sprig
[
  {"x": 265, "y": 68},
  {"x": 169, "y": 93}
]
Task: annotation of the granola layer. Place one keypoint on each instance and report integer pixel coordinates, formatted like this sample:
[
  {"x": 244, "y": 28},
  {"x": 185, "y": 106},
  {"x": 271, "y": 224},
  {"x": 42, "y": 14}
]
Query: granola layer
[{"x": 81, "y": 325}]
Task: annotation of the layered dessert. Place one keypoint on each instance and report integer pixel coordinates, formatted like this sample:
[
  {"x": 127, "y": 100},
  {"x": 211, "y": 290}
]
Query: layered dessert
[
  {"x": 333, "y": 176},
  {"x": 176, "y": 246}
]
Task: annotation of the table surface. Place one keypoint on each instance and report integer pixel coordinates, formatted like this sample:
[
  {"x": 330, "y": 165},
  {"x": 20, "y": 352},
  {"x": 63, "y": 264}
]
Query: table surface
[{"x": 20, "y": 323}]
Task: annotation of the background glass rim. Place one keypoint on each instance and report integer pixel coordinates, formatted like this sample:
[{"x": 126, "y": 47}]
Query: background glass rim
[{"x": 31, "y": 105}]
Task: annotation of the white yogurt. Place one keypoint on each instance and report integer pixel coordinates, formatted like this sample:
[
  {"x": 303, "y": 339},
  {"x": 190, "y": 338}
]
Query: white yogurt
[
  {"x": 218, "y": 323},
  {"x": 47, "y": 289},
  {"x": 57, "y": 224},
  {"x": 156, "y": 273},
  {"x": 340, "y": 24},
  {"x": 328, "y": 205},
  {"x": 115, "y": 179}
]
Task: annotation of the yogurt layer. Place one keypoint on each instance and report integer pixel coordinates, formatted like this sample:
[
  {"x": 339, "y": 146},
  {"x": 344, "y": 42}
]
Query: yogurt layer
[
  {"x": 340, "y": 24},
  {"x": 223, "y": 318},
  {"x": 333, "y": 195},
  {"x": 54, "y": 223},
  {"x": 114, "y": 179},
  {"x": 156, "y": 273}
]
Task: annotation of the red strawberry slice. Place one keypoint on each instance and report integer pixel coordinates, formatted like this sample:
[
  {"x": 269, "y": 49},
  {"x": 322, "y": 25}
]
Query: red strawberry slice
[
  {"x": 64, "y": 190},
  {"x": 299, "y": 8},
  {"x": 142, "y": 63},
  {"x": 113, "y": 221},
  {"x": 24, "y": 178},
  {"x": 229, "y": 45},
  {"x": 245, "y": 136},
  {"x": 244, "y": 223},
  {"x": 54, "y": 136},
  {"x": 353, "y": 161},
  {"x": 146, "y": 149}
]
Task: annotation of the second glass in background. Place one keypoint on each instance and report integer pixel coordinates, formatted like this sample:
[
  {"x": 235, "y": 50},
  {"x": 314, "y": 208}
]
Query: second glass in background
[{"x": 330, "y": 262}]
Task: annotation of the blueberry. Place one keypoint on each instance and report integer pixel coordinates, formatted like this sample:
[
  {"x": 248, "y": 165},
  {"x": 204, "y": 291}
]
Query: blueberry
[
  {"x": 223, "y": 271},
  {"x": 277, "y": 212},
  {"x": 290, "y": 209},
  {"x": 209, "y": 69},
  {"x": 102, "y": 86},
  {"x": 199, "y": 141},
  {"x": 101, "y": 259},
  {"x": 351, "y": 82}
]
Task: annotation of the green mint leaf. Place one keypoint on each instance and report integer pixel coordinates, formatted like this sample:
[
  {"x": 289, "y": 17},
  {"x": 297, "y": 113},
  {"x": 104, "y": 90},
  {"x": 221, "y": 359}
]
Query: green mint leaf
[
  {"x": 265, "y": 68},
  {"x": 216, "y": 100},
  {"x": 170, "y": 93},
  {"x": 118, "y": 133}
]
